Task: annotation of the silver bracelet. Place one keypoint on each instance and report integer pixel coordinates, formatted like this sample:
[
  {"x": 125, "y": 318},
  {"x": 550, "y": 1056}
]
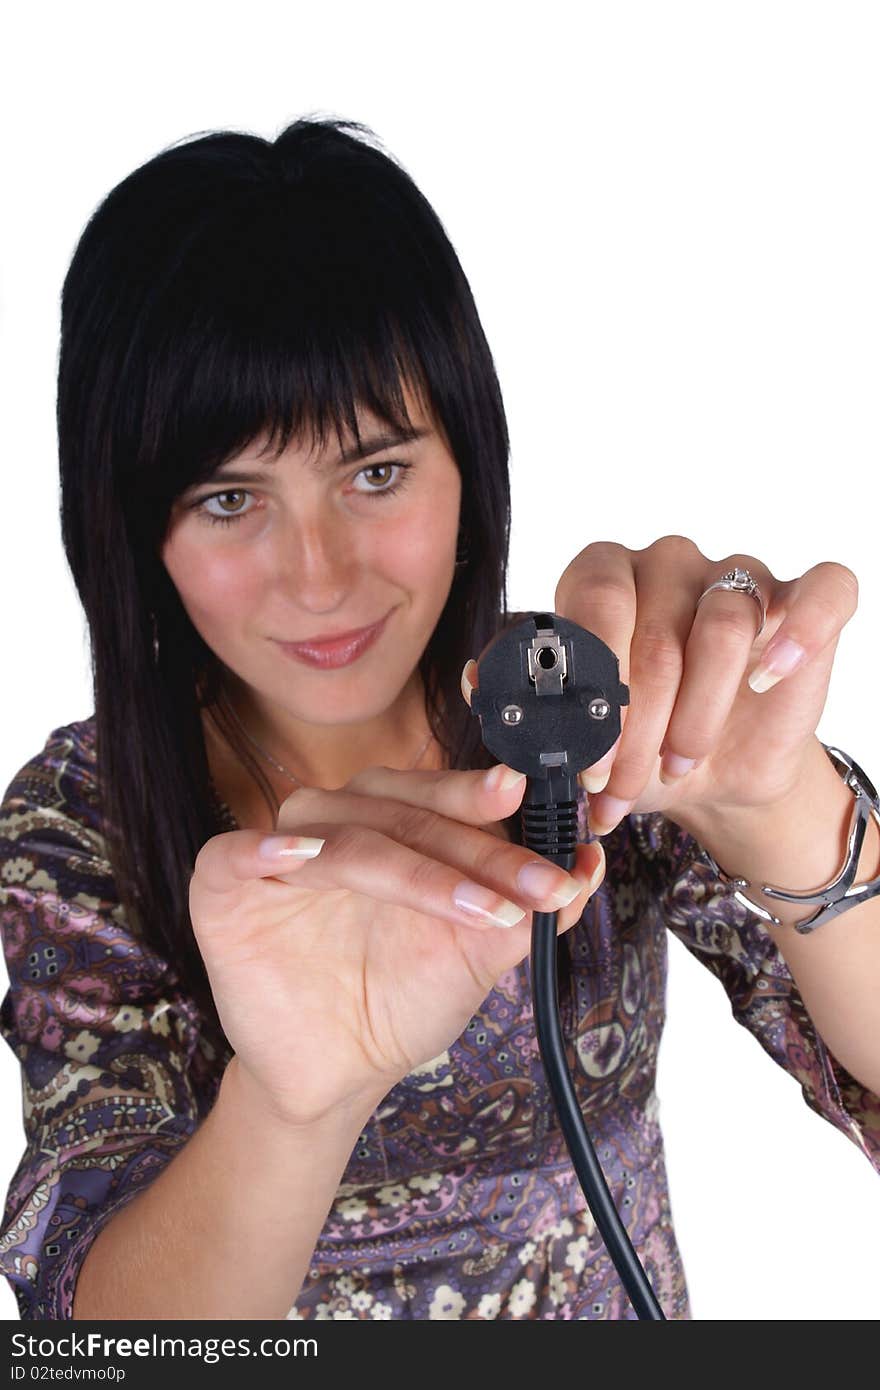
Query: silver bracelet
[{"x": 840, "y": 894}]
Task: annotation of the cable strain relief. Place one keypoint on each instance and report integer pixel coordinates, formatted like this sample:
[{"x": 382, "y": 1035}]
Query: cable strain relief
[{"x": 551, "y": 830}]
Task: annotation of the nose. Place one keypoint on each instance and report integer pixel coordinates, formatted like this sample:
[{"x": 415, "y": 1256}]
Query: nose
[{"x": 317, "y": 560}]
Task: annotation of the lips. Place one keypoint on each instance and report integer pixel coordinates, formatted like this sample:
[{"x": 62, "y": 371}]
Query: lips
[
  {"x": 338, "y": 651},
  {"x": 324, "y": 641}
]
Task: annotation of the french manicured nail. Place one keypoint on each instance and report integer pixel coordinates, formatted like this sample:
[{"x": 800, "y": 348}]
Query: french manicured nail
[
  {"x": 290, "y": 847},
  {"x": 598, "y": 876},
  {"x": 595, "y": 778},
  {"x": 500, "y": 777},
  {"x": 595, "y": 782},
  {"x": 780, "y": 659},
  {"x": 466, "y": 685},
  {"x": 672, "y": 767},
  {"x": 486, "y": 906},
  {"x": 547, "y": 884},
  {"x": 606, "y": 813}
]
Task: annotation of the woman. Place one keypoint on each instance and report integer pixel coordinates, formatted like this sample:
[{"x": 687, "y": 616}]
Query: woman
[{"x": 268, "y": 961}]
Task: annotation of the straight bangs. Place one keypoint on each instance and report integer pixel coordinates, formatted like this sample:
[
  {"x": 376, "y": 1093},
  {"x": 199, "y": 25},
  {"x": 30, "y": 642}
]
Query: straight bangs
[
  {"x": 286, "y": 313},
  {"x": 269, "y": 363}
]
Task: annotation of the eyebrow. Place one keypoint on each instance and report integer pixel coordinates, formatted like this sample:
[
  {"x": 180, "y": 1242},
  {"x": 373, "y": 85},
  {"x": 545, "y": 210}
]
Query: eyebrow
[{"x": 374, "y": 445}]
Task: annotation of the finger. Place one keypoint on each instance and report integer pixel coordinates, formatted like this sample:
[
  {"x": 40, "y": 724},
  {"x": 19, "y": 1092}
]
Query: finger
[
  {"x": 590, "y": 873},
  {"x": 227, "y": 862},
  {"x": 717, "y": 651},
  {"x": 657, "y": 592},
  {"x": 437, "y": 814},
  {"x": 475, "y": 796},
  {"x": 822, "y": 602},
  {"x": 364, "y": 860}
]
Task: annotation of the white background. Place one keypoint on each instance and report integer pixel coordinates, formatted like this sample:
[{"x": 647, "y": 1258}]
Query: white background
[{"x": 669, "y": 217}]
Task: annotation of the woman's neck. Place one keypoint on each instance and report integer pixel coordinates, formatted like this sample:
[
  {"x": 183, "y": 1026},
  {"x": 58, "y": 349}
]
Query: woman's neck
[{"x": 400, "y": 744}]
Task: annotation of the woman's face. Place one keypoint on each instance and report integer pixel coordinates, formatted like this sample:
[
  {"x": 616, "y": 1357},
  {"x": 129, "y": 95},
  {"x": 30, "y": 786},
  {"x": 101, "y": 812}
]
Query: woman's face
[{"x": 317, "y": 546}]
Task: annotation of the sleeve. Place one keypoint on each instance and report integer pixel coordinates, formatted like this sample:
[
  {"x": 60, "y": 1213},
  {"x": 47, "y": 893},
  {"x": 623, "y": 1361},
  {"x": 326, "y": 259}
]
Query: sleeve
[
  {"x": 114, "y": 1075},
  {"x": 732, "y": 942}
]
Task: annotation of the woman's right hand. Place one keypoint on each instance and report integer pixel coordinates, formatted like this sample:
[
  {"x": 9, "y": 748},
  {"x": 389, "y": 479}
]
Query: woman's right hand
[{"x": 337, "y": 975}]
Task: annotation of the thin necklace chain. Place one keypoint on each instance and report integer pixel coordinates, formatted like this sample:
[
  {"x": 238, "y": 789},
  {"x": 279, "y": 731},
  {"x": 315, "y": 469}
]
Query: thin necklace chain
[{"x": 280, "y": 766}]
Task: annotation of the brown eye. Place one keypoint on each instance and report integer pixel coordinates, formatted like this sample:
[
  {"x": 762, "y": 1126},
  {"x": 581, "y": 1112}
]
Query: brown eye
[
  {"x": 218, "y": 497},
  {"x": 374, "y": 490},
  {"x": 378, "y": 468}
]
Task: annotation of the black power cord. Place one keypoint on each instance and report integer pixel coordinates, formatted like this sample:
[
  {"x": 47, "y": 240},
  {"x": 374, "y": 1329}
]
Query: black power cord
[{"x": 548, "y": 701}]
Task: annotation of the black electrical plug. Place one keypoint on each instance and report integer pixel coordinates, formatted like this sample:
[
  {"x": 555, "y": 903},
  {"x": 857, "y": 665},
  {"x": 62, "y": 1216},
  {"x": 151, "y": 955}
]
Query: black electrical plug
[{"x": 548, "y": 700}]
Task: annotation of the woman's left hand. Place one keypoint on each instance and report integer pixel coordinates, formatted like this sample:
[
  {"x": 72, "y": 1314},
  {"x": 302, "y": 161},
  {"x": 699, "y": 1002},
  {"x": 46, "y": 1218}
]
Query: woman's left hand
[{"x": 687, "y": 668}]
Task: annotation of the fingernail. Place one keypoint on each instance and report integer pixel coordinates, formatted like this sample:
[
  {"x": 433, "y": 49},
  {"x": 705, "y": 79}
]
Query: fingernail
[
  {"x": 481, "y": 903},
  {"x": 500, "y": 777},
  {"x": 595, "y": 778},
  {"x": 672, "y": 767},
  {"x": 595, "y": 782},
  {"x": 466, "y": 687},
  {"x": 597, "y": 876},
  {"x": 780, "y": 659},
  {"x": 290, "y": 847},
  {"x": 547, "y": 884},
  {"x": 606, "y": 813}
]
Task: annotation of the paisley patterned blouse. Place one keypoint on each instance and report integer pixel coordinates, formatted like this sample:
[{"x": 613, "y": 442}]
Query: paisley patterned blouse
[{"x": 459, "y": 1199}]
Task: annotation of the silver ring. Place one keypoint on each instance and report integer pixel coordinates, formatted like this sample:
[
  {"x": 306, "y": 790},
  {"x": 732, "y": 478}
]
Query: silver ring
[{"x": 740, "y": 582}]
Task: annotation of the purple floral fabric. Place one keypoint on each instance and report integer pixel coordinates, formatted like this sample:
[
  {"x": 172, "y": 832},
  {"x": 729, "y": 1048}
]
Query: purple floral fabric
[{"x": 459, "y": 1200}]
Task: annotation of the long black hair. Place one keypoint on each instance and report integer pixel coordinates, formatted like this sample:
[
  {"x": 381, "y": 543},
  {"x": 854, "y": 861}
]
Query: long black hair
[{"x": 229, "y": 285}]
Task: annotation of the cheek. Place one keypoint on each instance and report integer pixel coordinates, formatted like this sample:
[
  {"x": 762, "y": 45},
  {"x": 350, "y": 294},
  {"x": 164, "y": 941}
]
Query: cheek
[
  {"x": 420, "y": 547},
  {"x": 429, "y": 536},
  {"x": 213, "y": 581}
]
